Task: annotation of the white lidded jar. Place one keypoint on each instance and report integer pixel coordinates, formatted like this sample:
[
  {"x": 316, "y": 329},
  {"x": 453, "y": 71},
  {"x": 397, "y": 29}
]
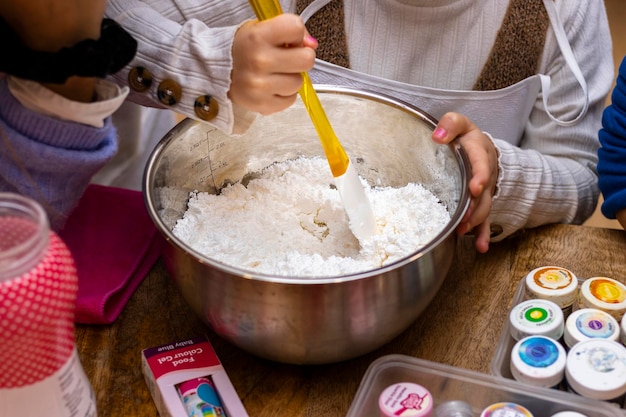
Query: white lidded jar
[
  {"x": 506, "y": 409},
  {"x": 538, "y": 361},
  {"x": 536, "y": 318},
  {"x": 405, "y": 399},
  {"x": 589, "y": 323},
  {"x": 596, "y": 369},
  {"x": 603, "y": 293},
  {"x": 623, "y": 331},
  {"x": 553, "y": 283},
  {"x": 40, "y": 372}
]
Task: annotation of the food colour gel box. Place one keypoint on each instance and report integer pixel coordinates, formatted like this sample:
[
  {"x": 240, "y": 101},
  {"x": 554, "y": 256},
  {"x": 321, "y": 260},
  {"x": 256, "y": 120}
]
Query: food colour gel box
[{"x": 165, "y": 367}]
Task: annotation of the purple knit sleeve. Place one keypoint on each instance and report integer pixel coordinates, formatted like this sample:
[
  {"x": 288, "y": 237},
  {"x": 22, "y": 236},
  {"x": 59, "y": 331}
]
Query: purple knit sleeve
[{"x": 47, "y": 159}]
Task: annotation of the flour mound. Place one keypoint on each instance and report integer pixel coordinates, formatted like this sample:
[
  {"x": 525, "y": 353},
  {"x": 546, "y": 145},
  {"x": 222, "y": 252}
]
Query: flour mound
[{"x": 289, "y": 221}]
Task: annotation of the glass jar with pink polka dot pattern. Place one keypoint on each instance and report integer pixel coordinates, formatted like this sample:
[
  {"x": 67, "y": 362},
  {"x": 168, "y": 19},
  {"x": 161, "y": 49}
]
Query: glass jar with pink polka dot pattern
[{"x": 40, "y": 371}]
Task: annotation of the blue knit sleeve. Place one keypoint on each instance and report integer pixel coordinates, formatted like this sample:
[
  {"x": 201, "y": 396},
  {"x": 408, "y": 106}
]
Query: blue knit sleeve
[
  {"x": 612, "y": 153},
  {"x": 47, "y": 159}
]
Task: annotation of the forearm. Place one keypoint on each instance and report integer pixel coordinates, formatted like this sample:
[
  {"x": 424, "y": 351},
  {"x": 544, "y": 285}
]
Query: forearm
[{"x": 536, "y": 189}]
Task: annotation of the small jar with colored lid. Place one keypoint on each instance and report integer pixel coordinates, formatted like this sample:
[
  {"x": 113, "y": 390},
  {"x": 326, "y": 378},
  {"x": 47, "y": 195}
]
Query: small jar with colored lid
[
  {"x": 603, "y": 293},
  {"x": 538, "y": 361},
  {"x": 536, "y": 318},
  {"x": 596, "y": 369},
  {"x": 405, "y": 399},
  {"x": 552, "y": 283},
  {"x": 589, "y": 323},
  {"x": 506, "y": 410}
]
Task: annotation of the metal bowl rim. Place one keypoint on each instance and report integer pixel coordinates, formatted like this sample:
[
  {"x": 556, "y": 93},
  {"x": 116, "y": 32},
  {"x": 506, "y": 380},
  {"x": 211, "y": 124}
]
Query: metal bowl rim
[{"x": 464, "y": 201}]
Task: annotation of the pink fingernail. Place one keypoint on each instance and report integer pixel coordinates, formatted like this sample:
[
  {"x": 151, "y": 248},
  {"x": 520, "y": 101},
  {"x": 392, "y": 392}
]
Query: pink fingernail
[
  {"x": 440, "y": 133},
  {"x": 311, "y": 39}
]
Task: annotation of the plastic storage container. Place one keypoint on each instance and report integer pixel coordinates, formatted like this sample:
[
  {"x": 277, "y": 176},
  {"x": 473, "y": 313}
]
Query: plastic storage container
[
  {"x": 40, "y": 371},
  {"x": 500, "y": 364},
  {"x": 447, "y": 383}
]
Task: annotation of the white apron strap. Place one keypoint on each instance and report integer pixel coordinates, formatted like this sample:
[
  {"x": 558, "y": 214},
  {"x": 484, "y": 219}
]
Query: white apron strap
[
  {"x": 566, "y": 50},
  {"x": 313, "y": 8}
]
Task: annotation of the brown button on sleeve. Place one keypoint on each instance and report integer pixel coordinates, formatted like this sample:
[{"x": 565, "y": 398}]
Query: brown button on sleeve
[
  {"x": 206, "y": 107},
  {"x": 169, "y": 92},
  {"x": 496, "y": 230},
  {"x": 139, "y": 79}
]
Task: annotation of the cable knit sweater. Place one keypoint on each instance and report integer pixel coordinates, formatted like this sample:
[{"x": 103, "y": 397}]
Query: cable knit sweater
[
  {"x": 612, "y": 154},
  {"x": 47, "y": 159},
  {"x": 547, "y": 176}
]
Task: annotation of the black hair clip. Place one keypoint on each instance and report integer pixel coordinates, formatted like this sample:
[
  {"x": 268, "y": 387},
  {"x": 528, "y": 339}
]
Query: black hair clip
[{"x": 89, "y": 58}]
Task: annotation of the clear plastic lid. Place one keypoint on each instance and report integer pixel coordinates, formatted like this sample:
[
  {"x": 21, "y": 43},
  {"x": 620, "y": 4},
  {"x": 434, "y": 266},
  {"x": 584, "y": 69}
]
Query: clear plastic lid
[
  {"x": 454, "y": 408},
  {"x": 479, "y": 390}
]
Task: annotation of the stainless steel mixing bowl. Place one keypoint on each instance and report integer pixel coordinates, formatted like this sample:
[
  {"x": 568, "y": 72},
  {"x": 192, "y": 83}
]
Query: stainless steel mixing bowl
[{"x": 309, "y": 320}]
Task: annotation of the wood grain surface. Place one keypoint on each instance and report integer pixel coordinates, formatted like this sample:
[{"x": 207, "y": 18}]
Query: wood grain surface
[{"x": 460, "y": 327}]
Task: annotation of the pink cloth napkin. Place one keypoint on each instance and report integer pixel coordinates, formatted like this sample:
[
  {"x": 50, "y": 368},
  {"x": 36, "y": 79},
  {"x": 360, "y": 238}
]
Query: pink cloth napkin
[{"x": 114, "y": 244}]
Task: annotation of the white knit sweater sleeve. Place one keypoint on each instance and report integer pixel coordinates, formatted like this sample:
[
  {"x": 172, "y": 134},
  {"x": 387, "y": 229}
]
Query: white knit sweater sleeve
[
  {"x": 190, "y": 43},
  {"x": 551, "y": 177}
]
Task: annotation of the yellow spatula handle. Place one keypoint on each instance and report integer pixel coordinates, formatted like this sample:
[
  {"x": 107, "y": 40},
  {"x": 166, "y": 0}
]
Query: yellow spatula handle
[
  {"x": 266, "y": 9},
  {"x": 337, "y": 158}
]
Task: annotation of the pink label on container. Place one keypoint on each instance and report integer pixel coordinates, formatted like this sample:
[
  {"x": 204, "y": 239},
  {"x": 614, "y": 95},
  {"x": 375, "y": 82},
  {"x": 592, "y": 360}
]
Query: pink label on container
[{"x": 37, "y": 317}]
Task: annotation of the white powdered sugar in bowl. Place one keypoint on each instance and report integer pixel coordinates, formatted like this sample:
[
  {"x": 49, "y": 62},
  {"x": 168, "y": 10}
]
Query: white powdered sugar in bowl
[{"x": 289, "y": 221}]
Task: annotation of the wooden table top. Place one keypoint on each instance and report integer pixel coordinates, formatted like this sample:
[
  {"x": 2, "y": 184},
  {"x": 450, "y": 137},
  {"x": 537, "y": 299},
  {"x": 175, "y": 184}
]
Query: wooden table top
[{"x": 460, "y": 327}]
